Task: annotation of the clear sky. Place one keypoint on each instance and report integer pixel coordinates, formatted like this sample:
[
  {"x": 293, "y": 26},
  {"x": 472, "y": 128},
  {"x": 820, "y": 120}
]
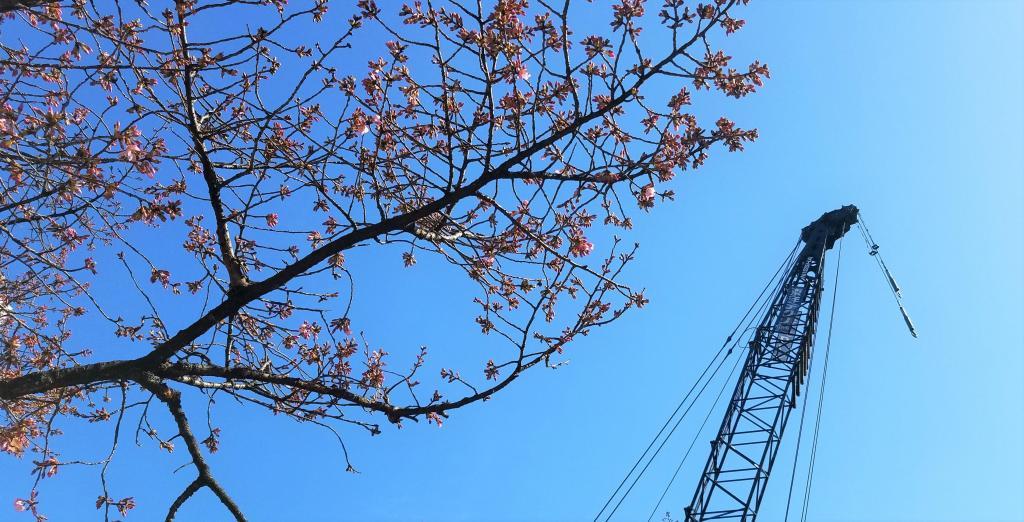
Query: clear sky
[{"x": 914, "y": 111}]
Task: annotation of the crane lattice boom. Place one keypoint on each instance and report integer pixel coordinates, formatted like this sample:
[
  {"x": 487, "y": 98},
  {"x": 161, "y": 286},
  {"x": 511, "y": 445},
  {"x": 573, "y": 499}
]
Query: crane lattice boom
[{"x": 736, "y": 474}]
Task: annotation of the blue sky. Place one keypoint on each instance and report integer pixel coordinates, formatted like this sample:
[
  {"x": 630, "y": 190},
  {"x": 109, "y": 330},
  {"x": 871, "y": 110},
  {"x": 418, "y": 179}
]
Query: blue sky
[{"x": 911, "y": 110}]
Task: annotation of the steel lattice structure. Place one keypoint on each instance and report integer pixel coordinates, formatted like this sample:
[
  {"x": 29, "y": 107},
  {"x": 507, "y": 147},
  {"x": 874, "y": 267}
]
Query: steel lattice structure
[{"x": 736, "y": 474}]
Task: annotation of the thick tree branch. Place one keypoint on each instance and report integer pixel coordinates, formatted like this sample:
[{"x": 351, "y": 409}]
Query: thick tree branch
[
  {"x": 39, "y": 382},
  {"x": 236, "y": 276},
  {"x": 172, "y": 398},
  {"x": 7, "y": 6},
  {"x": 190, "y": 490}
]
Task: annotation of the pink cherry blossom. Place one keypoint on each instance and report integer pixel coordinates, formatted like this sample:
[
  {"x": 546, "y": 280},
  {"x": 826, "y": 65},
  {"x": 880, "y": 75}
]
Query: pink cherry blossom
[
  {"x": 646, "y": 196},
  {"x": 522, "y": 72},
  {"x": 579, "y": 246}
]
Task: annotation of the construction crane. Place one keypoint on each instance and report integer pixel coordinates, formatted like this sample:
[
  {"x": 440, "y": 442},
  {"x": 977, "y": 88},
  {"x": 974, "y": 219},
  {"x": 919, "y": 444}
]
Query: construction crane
[
  {"x": 734, "y": 478},
  {"x": 779, "y": 348}
]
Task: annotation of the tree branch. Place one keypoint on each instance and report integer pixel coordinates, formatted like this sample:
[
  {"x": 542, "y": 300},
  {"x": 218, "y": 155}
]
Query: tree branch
[
  {"x": 190, "y": 490},
  {"x": 7, "y": 6},
  {"x": 172, "y": 398}
]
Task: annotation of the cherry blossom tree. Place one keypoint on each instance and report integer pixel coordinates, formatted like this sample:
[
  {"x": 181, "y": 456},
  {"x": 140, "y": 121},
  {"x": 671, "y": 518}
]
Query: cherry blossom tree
[{"x": 487, "y": 135}]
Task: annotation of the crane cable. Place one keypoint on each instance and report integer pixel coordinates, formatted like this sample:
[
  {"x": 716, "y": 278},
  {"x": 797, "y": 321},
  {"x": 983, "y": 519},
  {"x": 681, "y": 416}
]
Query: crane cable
[
  {"x": 796, "y": 457},
  {"x": 821, "y": 393},
  {"x": 803, "y": 409},
  {"x": 895, "y": 288},
  {"x": 665, "y": 440},
  {"x": 711, "y": 410},
  {"x": 658, "y": 435},
  {"x": 786, "y": 263}
]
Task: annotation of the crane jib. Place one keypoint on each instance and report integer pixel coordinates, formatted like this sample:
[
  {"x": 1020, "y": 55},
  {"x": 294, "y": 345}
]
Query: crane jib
[{"x": 734, "y": 479}]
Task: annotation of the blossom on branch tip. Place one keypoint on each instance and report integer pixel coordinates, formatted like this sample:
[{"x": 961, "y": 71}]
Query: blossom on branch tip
[{"x": 646, "y": 196}]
